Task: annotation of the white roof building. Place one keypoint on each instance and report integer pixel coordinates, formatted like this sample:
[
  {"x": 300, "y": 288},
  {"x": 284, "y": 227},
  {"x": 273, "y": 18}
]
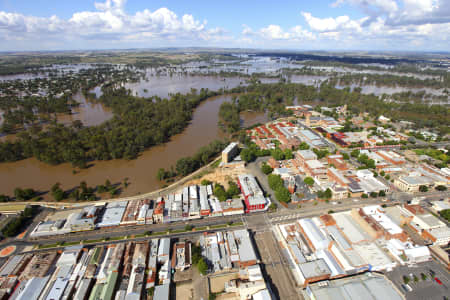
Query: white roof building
[
  {"x": 318, "y": 239},
  {"x": 113, "y": 214}
]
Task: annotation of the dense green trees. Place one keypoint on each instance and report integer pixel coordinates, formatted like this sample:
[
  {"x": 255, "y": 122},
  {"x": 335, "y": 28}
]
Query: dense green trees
[
  {"x": 202, "y": 266},
  {"x": 266, "y": 169},
  {"x": 17, "y": 223},
  {"x": 441, "y": 188},
  {"x": 24, "y": 194},
  {"x": 281, "y": 192},
  {"x": 5, "y": 198},
  {"x": 303, "y": 146},
  {"x": 229, "y": 117},
  {"x": 202, "y": 157},
  {"x": 283, "y": 195},
  {"x": 222, "y": 194},
  {"x": 252, "y": 151},
  {"x": 368, "y": 163},
  {"x": 198, "y": 260},
  {"x": 391, "y": 80},
  {"x": 206, "y": 182},
  {"x": 138, "y": 123},
  {"x": 327, "y": 194},
  {"x": 320, "y": 153},
  {"x": 445, "y": 214},
  {"x": 354, "y": 153},
  {"x": 309, "y": 181},
  {"x": 423, "y": 188},
  {"x": 57, "y": 193}
]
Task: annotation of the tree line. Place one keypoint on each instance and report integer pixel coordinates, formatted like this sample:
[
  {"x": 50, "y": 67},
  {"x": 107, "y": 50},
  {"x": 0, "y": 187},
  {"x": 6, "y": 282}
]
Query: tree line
[{"x": 138, "y": 123}]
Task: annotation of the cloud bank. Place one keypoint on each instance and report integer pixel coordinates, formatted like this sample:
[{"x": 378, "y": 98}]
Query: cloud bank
[{"x": 383, "y": 24}]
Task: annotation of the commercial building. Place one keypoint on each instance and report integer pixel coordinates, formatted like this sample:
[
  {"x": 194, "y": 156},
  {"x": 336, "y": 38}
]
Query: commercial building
[
  {"x": 368, "y": 183},
  {"x": 338, "y": 177},
  {"x": 163, "y": 250},
  {"x": 230, "y": 152},
  {"x": 39, "y": 265},
  {"x": 413, "y": 183},
  {"x": 232, "y": 207},
  {"x": 253, "y": 194},
  {"x": 181, "y": 256},
  {"x": 337, "y": 161},
  {"x": 428, "y": 226},
  {"x": 391, "y": 157},
  {"x": 227, "y": 250},
  {"x": 315, "y": 168},
  {"x": 113, "y": 214},
  {"x": 370, "y": 286}
]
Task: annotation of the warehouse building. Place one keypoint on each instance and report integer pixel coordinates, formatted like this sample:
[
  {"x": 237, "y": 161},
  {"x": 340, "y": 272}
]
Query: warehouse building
[
  {"x": 113, "y": 214},
  {"x": 367, "y": 286}
]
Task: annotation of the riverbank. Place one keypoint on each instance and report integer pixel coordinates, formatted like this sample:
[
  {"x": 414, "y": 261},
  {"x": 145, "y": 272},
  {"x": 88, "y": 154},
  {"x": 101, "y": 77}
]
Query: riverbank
[
  {"x": 141, "y": 172},
  {"x": 18, "y": 206}
]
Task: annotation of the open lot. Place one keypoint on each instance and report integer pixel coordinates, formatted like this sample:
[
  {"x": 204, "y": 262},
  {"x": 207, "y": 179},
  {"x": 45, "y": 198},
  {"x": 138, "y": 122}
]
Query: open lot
[
  {"x": 422, "y": 289},
  {"x": 273, "y": 265},
  {"x": 184, "y": 291},
  {"x": 62, "y": 214},
  {"x": 217, "y": 282}
]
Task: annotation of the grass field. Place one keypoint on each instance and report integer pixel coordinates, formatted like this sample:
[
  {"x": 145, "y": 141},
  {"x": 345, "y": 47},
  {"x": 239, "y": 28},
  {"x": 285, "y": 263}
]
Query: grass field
[{"x": 7, "y": 207}]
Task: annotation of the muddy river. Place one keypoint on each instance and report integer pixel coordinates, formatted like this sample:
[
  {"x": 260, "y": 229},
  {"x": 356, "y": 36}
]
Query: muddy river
[{"x": 31, "y": 173}]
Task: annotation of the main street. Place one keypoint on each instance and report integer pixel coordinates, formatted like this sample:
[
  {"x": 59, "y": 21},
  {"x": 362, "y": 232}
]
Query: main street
[{"x": 255, "y": 221}]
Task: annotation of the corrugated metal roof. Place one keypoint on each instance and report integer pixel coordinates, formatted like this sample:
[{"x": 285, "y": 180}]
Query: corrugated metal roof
[
  {"x": 314, "y": 268},
  {"x": 161, "y": 292}
]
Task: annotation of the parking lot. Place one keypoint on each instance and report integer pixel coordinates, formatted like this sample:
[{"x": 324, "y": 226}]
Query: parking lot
[
  {"x": 422, "y": 288},
  {"x": 276, "y": 272}
]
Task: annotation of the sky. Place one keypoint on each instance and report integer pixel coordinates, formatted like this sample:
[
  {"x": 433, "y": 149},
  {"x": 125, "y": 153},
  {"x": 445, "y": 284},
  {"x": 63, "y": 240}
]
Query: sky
[{"x": 332, "y": 25}]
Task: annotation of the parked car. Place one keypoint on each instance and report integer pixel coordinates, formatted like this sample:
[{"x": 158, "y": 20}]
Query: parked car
[{"x": 407, "y": 288}]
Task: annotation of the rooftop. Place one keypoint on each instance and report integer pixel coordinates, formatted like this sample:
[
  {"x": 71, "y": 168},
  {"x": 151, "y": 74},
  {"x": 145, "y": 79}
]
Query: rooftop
[
  {"x": 367, "y": 287},
  {"x": 230, "y": 147},
  {"x": 417, "y": 180},
  {"x": 315, "y": 268}
]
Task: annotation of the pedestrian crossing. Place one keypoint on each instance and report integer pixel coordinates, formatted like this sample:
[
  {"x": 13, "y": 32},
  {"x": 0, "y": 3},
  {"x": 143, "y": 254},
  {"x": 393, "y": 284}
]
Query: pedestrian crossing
[{"x": 287, "y": 217}]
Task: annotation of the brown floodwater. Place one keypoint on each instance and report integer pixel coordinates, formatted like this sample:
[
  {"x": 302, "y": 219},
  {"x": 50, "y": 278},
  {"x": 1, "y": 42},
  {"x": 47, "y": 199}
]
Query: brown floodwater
[
  {"x": 162, "y": 86},
  {"x": 89, "y": 113},
  {"x": 31, "y": 173}
]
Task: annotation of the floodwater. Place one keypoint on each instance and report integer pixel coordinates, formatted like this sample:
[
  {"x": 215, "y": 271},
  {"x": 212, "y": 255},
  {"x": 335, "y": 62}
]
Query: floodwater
[
  {"x": 31, "y": 173},
  {"x": 89, "y": 113},
  {"x": 141, "y": 172},
  {"x": 380, "y": 90},
  {"x": 163, "y": 86}
]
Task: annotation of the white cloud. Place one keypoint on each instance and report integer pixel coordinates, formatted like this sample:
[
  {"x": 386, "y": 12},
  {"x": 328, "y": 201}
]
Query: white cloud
[
  {"x": 403, "y": 12},
  {"x": 372, "y": 6},
  {"x": 386, "y": 24},
  {"x": 363, "y": 34},
  {"x": 274, "y": 32},
  {"x": 403, "y": 24},
  {"x": 332, "y": 24},
  {"x": 297, "y": 32},
  {"x": 109, "y": 22},
  {"x": 247, "y": 30}
]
